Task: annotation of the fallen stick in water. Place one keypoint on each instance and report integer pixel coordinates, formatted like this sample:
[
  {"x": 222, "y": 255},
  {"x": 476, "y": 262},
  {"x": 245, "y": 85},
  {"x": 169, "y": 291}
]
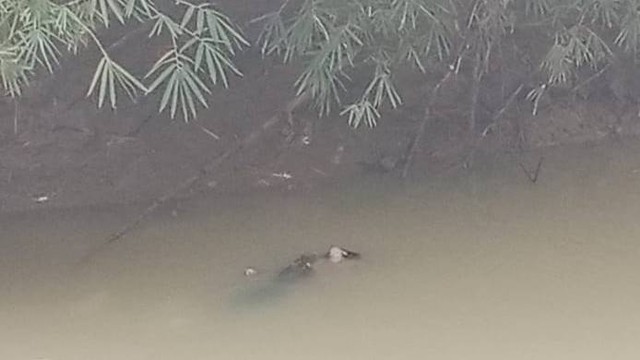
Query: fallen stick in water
[
  {"x": 204, "y": 171},
  {"x": 532, "y": 175}
]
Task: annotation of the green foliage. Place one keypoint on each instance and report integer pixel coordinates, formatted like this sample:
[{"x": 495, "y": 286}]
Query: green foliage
[
  {"x": 336, "y": 39},
  {"x": 351, "y": 50},
  {"x": 202, "y": 41}
]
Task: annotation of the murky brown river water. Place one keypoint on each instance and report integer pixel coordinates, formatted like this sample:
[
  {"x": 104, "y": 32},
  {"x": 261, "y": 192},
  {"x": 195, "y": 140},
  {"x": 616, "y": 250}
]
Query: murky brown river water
[{"x": 484, "y": 266}]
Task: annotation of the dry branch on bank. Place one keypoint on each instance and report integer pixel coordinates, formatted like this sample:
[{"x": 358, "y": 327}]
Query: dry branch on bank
[
  {"x": 415, "y": 144},
  {"x": 206, "y": 170}
]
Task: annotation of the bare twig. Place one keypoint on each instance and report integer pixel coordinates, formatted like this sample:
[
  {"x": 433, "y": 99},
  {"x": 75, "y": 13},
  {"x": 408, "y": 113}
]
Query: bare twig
[
  {"x": 475, "y": 92},
  {"x": 468, "y": 161},
  {"x": 269, "y": 14},
  {"x": 532, "y": 175},
  {"x": 503, "y": 109},
  {"x": 208, "y": 132},
  {"x": 452, "y": 69},
  {"x": 415, "y": 144},
  {"x": 140, "y": 28},
  {"x": 319, "y": 171},
  {"x": 590, "y": 79}
]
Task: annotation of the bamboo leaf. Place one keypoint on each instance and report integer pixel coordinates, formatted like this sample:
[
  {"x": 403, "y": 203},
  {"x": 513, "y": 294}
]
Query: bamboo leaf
[
  {"x": 103, "y": 84},
  {"x": 97, "y": 75},
  {"x": 114, "y": 6},
  {"x": 170, "y": 70},
  {"x": 166, "y": 95},
  {"x": 175, "y": 88},
  {"x": 187, "y": 16},
  {"x": 112, "y": 88},
  {"x": 128, "y": 78}
]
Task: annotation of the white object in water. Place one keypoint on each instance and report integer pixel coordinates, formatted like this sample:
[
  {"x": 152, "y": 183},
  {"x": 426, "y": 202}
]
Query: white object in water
[
  {"x": 249, "y": 272},
  {"x": 336, "y": 254}
]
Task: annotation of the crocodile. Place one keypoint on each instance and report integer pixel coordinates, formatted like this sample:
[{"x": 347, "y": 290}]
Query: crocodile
[
  {"x": 271, "y": 289},
  {"x": 304, "y": 265}
]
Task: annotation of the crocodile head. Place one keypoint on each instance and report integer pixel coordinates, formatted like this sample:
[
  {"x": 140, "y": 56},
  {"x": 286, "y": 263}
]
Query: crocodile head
[{"x": 337, "y": 254}]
